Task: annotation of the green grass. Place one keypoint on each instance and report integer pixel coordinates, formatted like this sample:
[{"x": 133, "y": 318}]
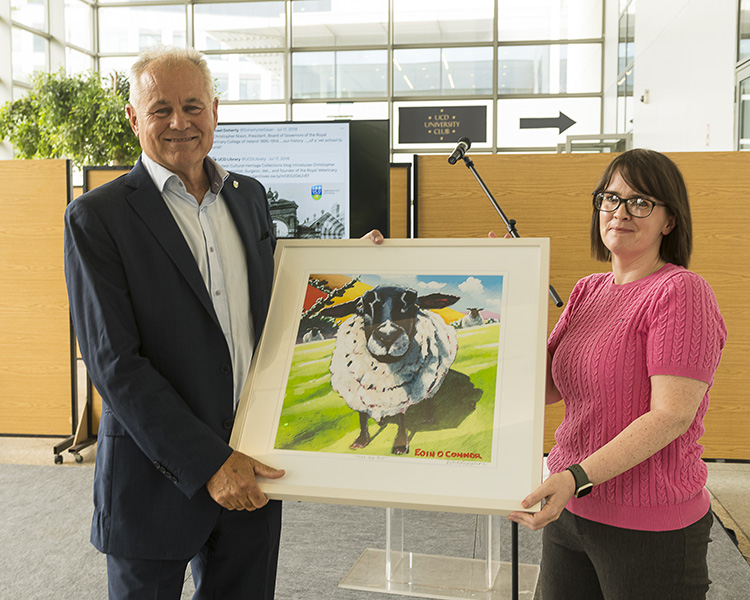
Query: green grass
[{"x": 315, "y": 418}]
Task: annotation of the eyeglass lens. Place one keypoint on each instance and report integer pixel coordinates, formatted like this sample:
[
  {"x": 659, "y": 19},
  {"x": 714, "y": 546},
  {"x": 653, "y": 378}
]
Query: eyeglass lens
[{"x": 636, "y": 207}]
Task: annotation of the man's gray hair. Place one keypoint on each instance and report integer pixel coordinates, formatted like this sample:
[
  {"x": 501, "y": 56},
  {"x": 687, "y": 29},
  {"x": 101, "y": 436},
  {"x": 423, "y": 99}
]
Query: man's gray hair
[{"x": 168, "y": 57}]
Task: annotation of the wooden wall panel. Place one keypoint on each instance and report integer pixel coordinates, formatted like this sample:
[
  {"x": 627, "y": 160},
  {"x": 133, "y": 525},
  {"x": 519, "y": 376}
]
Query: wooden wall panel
[
  {"x": 549, "y": 196},
  {"x": 35, "y": 378}
]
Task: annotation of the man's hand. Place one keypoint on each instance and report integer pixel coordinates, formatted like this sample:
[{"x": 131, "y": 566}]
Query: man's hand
[
  {"x": 234, "y": 486},
  {"x": 373, "y": 235}
]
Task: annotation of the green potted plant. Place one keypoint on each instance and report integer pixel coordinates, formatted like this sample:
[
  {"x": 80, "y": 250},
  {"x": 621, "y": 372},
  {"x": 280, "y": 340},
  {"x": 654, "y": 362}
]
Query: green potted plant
[{"x": 80, "y": 117}]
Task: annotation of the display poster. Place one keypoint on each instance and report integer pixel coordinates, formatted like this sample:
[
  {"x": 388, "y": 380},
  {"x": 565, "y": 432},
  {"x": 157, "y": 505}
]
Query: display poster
[{"x": 304, "y": 168}]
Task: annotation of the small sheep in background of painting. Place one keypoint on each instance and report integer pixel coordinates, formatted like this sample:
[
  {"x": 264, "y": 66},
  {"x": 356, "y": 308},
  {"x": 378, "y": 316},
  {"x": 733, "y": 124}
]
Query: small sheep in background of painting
[
  {"x": 473, "y": 318},
  {"x": 312, "y": 335},
  {"x": 392, "y": 354}
]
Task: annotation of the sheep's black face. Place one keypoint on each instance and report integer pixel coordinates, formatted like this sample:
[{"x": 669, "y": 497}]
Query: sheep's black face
[{"x": 389, "y": 314}]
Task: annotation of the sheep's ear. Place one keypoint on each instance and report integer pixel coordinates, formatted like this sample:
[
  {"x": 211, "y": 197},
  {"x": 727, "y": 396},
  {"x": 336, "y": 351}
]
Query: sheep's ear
[
  {"x": 341, "y": 310},
  {"x": 432, "y": 301}
]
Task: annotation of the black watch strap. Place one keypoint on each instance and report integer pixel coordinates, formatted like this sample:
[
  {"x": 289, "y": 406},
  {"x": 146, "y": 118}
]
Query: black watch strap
[{"x": 583, "y": 484}]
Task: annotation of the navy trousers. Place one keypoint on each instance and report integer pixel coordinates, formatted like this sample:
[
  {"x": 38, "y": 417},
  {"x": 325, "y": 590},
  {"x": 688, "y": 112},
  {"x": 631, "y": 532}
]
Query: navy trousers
[
  {"x": 237, "y": 562},
  {"x": 586, "y": 560}
]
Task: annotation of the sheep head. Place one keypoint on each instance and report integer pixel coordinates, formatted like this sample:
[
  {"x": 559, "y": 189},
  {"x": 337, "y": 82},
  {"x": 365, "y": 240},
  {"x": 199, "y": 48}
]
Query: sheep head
[{"x": 388, "y": 315}]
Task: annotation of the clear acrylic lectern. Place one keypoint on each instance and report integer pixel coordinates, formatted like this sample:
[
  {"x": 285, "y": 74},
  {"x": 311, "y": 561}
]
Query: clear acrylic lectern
[{"x": 410, "y": 566}]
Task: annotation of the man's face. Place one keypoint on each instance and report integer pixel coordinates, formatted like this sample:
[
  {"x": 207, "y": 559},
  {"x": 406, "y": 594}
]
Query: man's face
[{"x": 175, "y": 117}]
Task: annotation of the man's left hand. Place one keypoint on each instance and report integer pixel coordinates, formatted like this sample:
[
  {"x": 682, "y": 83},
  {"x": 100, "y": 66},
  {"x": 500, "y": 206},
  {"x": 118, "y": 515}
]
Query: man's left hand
[{"x": 234, "y": 485}]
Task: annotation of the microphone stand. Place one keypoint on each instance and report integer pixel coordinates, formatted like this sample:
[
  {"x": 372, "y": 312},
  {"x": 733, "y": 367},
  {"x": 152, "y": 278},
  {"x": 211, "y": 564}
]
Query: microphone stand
[{"x": 510, "y": 224}]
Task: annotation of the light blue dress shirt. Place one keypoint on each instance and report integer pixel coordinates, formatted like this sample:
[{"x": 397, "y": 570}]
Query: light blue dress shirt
[{"x": 213, "y": 238}]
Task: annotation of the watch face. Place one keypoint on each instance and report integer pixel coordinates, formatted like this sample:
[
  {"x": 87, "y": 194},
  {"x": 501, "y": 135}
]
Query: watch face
[{"x": 584, "y": 489}]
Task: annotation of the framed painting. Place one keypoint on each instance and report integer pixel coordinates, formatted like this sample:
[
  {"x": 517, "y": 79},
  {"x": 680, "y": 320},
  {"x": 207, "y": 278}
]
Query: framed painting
[{"x": 409, "y": 374}]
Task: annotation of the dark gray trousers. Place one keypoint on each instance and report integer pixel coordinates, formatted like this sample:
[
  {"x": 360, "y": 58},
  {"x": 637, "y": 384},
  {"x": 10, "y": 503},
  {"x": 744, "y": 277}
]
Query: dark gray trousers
[{"x": 586, "y": 560}]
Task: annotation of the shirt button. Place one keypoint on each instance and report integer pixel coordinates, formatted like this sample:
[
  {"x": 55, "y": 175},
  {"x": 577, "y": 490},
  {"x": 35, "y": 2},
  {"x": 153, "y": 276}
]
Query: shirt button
[{"x": 218, "y": 292}]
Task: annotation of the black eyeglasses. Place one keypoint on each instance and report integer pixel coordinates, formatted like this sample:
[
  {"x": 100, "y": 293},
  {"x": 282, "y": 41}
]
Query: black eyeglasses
[{"x": 640, "y": 208}]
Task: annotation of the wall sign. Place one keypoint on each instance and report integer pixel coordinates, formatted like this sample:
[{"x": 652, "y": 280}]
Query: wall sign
[{"x": 435, "y": 124}]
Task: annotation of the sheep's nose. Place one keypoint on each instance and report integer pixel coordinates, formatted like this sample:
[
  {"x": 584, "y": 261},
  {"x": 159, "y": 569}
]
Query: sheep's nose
[{"x": 388, "y": 333}]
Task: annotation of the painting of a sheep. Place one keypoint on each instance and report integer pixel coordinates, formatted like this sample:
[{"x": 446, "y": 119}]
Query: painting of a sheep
[{"x": 393, "y": 353}]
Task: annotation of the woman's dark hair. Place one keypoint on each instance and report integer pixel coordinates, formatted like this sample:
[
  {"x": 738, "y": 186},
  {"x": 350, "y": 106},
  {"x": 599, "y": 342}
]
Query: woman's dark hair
[{"x": 652, "y": 174}]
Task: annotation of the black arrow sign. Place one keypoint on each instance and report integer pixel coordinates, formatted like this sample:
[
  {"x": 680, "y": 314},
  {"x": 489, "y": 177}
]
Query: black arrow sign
[{"x": 562, "y": 122}]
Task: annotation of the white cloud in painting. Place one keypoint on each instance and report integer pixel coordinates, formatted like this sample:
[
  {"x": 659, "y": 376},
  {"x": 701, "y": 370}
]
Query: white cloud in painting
[
  {"x": 471, "y": 286},
  {"x": 431, "y": 285}
]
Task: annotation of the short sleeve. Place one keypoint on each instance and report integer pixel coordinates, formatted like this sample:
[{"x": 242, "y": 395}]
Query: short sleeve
[
  {"x": 686, "y": 332},
  {"x": 562, "y": 323}
]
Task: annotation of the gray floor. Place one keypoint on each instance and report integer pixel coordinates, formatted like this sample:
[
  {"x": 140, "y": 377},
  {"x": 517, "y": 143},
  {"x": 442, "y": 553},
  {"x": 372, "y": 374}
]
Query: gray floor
[{"x": 46, "y": 511}]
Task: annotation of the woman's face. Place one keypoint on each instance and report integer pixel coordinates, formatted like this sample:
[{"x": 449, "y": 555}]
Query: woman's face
[{"x": 627, "y": 237}]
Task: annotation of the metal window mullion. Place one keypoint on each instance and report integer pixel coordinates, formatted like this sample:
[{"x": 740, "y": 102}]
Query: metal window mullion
[
  {"x": 189, "y": 24},
  {"x": 390, "y": 75},
  {"x": 495, "y": 77},
  {"x": 289, "y": 78},
  {"x": 16, "y": 25}
]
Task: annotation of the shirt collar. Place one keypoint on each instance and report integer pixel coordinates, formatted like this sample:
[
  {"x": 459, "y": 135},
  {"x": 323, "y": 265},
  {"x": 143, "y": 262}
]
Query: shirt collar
[{"x": 161, "y": 175}]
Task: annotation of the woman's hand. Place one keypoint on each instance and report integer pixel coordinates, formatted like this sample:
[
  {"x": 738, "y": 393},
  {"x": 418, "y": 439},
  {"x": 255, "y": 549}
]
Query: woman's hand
[
  {"x": 493, "y": 235},
  {"x": 557, "y": 490},
  {"x": 374, "y": 235}
]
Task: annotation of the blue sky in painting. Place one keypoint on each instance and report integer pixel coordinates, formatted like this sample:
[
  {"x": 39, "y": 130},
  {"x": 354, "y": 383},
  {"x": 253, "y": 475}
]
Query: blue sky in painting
[{"x": 476, "y": 291}]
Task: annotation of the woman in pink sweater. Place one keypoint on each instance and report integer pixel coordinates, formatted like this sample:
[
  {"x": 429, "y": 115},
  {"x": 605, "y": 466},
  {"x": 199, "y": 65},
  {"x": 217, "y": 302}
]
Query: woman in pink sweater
[{"x": 633, "y": 356}]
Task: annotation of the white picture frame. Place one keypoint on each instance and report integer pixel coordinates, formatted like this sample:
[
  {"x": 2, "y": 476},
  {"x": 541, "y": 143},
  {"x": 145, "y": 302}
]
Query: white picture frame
[{"x": 512, "y": 273}]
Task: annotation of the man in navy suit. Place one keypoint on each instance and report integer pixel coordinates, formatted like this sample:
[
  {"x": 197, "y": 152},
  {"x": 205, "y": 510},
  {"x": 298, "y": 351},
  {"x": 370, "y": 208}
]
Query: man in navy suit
[{"x": 169, "y": 271}]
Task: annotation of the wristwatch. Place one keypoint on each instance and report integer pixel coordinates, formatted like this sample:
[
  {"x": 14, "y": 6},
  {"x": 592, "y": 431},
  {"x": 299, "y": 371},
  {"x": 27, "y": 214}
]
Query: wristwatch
[{"x": 583, "y": 485}]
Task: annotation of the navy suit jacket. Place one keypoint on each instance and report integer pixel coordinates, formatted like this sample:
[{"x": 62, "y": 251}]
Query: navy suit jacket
[{"x": 155, "y": 351}]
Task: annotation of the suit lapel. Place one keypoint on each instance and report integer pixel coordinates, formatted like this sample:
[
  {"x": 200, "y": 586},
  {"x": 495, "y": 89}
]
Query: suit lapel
[
  {"x": 239, "y": 205},
  {"x": 150, "y": 206}
]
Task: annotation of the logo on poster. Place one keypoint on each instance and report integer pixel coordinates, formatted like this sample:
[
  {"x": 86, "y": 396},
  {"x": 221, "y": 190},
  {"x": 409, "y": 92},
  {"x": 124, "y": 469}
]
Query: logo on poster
[{"x": 316, "y": 192}]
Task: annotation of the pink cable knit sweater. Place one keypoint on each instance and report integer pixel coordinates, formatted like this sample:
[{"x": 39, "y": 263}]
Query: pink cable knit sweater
[{"x": 609, "y": 340}]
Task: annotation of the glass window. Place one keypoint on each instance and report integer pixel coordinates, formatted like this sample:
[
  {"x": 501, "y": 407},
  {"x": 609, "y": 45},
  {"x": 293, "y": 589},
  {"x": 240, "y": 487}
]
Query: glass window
[
  {"x": 625, "y": 102},
  {"x": 626, "y": 38},
  {"x": 121, "y": 64},
  {"x": 355, "y": 74},
  {"x": 549, "y": 69},
  {"x": 743, "y": 51},
  {"x": 251, "y": 113},
  {"x": 744, "y": 137},
  {"x": 79, "y": 24},
  {"x": 131, "y": 29},
  {"x": 339, "y": 110},
  {"x": 30, "y": 54},
  {"x": 239, "y": 26},
  {"x": 248, "y": 76},
  {"x": 32, "y": 13},
  {"x": 520, "y": 20},
  {"x": 537, "y": 123},
  {"x": 77, "y": 62},
  {"x": 446, "y": 71},
  {"x": 442, "y": 21},
  {"x": 339, "y": 23}
]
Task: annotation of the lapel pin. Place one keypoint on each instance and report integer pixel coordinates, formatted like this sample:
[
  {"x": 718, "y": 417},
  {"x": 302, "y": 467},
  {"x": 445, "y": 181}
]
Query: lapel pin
[{"x": 235, "y": 184}]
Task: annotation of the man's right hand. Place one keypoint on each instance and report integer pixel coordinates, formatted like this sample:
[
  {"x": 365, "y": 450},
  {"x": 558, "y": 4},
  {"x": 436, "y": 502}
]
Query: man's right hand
[{"x": 234, "y": 485}]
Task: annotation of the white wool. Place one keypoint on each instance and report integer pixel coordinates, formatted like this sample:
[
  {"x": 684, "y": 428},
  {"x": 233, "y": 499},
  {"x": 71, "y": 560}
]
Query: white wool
[{"x": 386, "y": 389}]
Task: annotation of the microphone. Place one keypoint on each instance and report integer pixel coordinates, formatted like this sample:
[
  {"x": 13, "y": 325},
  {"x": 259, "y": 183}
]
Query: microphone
[{"x": 464, "y": 144}]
